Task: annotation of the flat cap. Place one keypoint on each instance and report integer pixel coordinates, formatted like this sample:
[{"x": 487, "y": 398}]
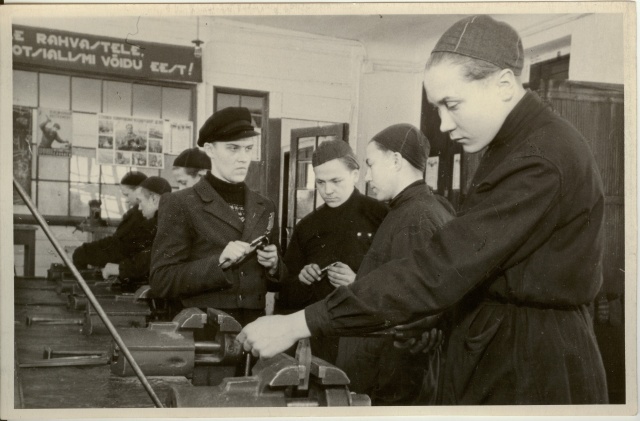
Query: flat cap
[
  {"x": 408, "y": 141},
  {"x": 333, "y": 149},
  {"x": 231, "y": 123},
  {"x": 156, "y": 185},
  {"x": 133, "y": 178},
  {"x": 193, "y": 158},
  {"x": 484, "y": 38}
]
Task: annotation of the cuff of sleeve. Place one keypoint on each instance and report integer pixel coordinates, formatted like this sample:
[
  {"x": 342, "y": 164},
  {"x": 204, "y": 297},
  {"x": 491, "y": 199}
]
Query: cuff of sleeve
[{"x": 318, "y": 320}]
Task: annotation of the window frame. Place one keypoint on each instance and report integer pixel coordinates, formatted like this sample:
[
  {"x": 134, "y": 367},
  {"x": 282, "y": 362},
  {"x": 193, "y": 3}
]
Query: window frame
[{"x": 69, "y": 219}]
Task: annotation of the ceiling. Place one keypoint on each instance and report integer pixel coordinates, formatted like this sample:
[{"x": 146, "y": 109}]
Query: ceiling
[{"x": 388, "y": 33}]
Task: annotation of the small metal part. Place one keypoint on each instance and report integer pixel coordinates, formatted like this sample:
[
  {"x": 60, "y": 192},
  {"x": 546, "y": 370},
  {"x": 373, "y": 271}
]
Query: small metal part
[
  {"x": 50, "y": 353},
  {"x": 66, "y": 362},
  {"x": 31, "y": 320}
]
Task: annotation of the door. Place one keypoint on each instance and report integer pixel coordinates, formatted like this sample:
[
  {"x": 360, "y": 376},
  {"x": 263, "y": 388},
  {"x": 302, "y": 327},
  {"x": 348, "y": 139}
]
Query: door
[{"x": 301, "y": 194}]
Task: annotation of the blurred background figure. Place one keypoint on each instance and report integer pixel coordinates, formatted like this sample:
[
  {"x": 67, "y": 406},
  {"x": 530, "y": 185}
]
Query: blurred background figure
[{"x": 190, "y": 166}]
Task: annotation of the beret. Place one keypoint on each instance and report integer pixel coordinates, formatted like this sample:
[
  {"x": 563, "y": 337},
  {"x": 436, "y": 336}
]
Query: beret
[
  {"x": 231, "y": 123},
  {"x": 133, "y": 178},
  {"x": 156, "y": 185},
  {"x": 193, "y": 158},
  {"x": 484, "y": 38},
  {"x": 408, "y": 141},
  {"x": 332, "y": 149}
]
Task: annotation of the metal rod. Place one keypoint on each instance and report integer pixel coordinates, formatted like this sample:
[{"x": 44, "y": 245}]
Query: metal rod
[{"x": 87, "y": 291}]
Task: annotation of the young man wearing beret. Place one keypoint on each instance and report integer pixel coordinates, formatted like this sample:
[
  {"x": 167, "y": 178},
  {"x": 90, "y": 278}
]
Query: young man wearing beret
[
  {"x": 133, "y": 271},
  {"x": 190, "y": 166},
  {"x": 132, "y": 232},
  {"x": 202, "y": 253}
]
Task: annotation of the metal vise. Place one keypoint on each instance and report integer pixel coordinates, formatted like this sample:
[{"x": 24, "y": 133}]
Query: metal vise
[
  {"x": 281, "y": 381},
  {"x": 123, "y": 311},
  {"x": 192, "y": 344},
  {"x": 64, "y": 279}
]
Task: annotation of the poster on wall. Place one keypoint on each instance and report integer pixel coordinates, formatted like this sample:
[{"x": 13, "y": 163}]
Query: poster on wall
[
  {"x": 55, "y": 128},
  {"x": 180, "y": 135},
  {"x": 22, "y": 138},
  {"x": 136, "y": 142}
]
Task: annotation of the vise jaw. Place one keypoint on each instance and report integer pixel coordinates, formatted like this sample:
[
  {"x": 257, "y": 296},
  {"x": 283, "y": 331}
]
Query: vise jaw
[{"x": 281, "y": 381}]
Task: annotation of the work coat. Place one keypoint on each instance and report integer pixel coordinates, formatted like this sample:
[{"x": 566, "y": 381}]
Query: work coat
[{"x": 194, "y": 227}]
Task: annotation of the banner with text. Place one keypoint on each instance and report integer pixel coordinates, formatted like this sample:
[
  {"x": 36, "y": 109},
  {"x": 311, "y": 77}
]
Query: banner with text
[{"x": 105, "y": 55}]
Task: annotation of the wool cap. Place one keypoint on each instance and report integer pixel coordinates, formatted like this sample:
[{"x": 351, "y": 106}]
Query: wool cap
[
  {"x": 333, "y": 149},
  {"x": 231, "y": 123},
  {"x": 156, "y": 185},
  {"x": 408, "y": 141},
  {"x": 193, "y": 158},
  {"x": 133, "y": 178},
  {"x": 484, "y": 38}
]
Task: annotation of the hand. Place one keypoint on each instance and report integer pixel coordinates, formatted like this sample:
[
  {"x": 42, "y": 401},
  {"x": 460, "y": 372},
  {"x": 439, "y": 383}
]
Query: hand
[
  {"x": 310, "y": 274},
  {"x": 110, "y": 269},
  {"x": 429, "y": 339},
  {"x": 268, "y": 257},
  {"x": 270, "y": 335},
  {"x": 233, "y": 252},
  {"x": 340, "y": 275}
]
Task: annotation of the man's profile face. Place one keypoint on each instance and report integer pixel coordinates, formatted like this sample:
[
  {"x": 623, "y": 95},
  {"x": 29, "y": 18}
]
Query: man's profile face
[
  {"x": 470, "y": 111},
  {"x": 230, "y": 160},
  {"x": 130, "y": 196},
  {"x": 183, "y": 179}
]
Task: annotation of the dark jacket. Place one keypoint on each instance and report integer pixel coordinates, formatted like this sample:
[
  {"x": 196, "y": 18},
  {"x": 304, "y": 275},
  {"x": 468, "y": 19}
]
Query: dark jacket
[
  {"x": 134, "y": 270},
  {"x": 522, "y": 260},
  {"x": 194, "y": 227},
  {"x": 325, "y": 236},
  {"x": 374, "y": 366},
  {"x": 133, "y": 235}
]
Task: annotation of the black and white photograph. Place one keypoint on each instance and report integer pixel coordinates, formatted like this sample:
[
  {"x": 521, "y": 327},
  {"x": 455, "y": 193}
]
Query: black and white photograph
[{"x": 415, "y": 209}]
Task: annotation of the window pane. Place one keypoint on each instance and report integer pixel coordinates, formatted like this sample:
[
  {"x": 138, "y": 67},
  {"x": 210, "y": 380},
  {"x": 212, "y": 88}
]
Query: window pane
[
  {"x": 85, "y": 128},
  {"x": 176, "y": 104},
  {"x": 86, "y": 94},
  {"x": 25, "y": 88},
  {"x": 147, "y": 101},
  {"x": 54, "y": 198},
  {"x": 81, "y": 194},
  {"x": 112, "y": 174},
  {"x": 227, "y": 100},
  {"x": 53, "y": 167},
  {"x": 55, "y": 91},
  {"x": 116, "y": 98},
  {"x": 253, "y": 103},
  {"x": 113, "y": 206},
  {"x": 83, "y": 166}
]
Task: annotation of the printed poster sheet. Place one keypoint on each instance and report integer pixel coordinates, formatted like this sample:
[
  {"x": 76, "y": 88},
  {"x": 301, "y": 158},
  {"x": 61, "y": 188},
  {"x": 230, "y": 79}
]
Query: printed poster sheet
[
  {"x": 130, "y": 141},
  {"x": 180, "y": 136},
  {"x": 22, "y": 138},
  {"x": 55, "y": 129}
]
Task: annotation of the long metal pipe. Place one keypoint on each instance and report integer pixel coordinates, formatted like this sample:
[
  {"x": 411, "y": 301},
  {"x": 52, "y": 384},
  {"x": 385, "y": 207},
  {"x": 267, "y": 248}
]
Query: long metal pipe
[{"x": 87, "y": 291}]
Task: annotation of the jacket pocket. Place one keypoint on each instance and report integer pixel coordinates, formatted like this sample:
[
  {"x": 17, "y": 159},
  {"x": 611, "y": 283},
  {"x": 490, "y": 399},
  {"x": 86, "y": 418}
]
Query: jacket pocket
[{"x": 483, "y": 327}]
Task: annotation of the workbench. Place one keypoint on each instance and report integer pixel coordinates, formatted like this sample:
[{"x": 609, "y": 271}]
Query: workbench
[{"x": 69, "y": 387}]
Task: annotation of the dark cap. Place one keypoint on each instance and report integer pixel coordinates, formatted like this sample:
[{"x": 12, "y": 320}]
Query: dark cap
[
  {"x": 333, "y": 149},
  {"x": 156, "y": 185},
  {"x": 193, "y": 158},
  {"x": 133, "y": 178},
  {"x": 230, "y": 123},
  {"x": 408, "y": 141},
  {"x": 484, "y": 38}
]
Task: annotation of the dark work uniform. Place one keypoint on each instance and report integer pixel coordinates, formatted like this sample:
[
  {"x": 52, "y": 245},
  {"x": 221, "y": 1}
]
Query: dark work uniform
[
  {"x": 133, "y": 235},
  {"x": 327, "y": 235},
  {"x": 522, "y": 260},
  {"x": 392, "y": 376},
  {"x": 134, "y": 269},
  {"x": 194, "y": 227}
]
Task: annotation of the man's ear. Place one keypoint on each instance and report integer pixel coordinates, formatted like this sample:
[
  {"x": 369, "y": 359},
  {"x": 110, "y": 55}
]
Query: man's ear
[
  {"x": 506, "y": 83},
  {"x": 397, "y": 161}
]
